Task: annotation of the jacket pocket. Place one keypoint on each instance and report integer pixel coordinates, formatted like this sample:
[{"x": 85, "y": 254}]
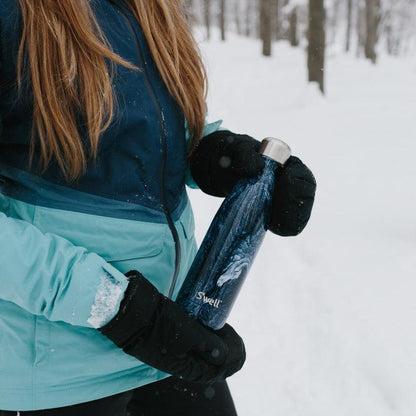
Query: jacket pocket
[{"x": 112, "y": 238}]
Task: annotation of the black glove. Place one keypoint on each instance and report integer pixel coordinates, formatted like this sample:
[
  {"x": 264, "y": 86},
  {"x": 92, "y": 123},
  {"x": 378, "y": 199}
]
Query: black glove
[
  {"x": 157, "y": 331},
  {"x": 293, "y": 198},
  {"x": 222, "y": 158}
]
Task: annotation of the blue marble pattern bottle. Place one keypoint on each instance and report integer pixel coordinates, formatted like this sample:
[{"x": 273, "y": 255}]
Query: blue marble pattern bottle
[{"x": 231, "y": 243}]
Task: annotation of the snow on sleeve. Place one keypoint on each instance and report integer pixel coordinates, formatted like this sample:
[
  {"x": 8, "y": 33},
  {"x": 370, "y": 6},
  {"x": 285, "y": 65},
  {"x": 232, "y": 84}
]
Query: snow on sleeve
[{"x": 106, "y": 302}]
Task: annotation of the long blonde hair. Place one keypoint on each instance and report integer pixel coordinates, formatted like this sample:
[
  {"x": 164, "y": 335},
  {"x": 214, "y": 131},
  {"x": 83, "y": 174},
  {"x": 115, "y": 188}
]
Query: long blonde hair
[{"x": 65, "y": 51}]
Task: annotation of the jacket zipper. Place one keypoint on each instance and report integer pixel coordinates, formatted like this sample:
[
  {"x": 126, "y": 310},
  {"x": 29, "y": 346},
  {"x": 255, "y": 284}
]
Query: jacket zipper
[{"x": 163, "y": 141}]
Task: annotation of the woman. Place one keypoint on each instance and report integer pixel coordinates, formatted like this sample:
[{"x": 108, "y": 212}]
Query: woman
[{"x": 101, "y": 117}]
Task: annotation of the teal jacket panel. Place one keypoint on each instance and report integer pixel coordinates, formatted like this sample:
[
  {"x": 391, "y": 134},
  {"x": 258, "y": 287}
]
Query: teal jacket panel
[{"x": 54, "y": 263}]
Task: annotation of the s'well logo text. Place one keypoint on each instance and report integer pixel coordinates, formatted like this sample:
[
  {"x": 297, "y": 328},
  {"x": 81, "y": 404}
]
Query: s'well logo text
[{"x": 213, "y": 302}]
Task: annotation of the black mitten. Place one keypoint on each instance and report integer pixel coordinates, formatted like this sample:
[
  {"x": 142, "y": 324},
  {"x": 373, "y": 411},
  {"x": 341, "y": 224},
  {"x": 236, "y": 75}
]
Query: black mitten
[
  {"x": 222, "y": 158},
  {"x": 157, "y": 331},
  {"x": 292, "y": 199}
]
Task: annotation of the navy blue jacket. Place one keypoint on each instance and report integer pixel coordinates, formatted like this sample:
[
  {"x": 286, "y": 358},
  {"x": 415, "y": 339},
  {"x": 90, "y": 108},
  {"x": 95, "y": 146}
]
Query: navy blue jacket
[{"x": 142, "y": 156}]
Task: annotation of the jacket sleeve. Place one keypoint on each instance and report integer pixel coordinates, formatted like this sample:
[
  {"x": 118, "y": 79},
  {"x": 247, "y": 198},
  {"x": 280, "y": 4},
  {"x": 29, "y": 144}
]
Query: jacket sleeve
[
  {"x": 47, "y": 275},
  {"x": 208, "y": 129}
]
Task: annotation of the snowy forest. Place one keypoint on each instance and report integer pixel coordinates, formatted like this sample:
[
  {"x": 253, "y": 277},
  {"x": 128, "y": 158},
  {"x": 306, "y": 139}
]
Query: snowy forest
[
  {"x": 327, "y": 317},
  {"x": 362, "y": 27}
]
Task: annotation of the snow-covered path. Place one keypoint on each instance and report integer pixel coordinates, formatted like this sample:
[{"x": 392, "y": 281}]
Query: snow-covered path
[{"x": 328, "y": 317}]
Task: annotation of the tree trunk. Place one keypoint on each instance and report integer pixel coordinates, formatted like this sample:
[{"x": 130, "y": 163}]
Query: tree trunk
[
  {"x": 249, "y": 15},
  {"x": 222, "y": 19},
  {"x": 207, "y": 17},
  {"x": 349, "y": 25},
  {"x": 293, "y": 27},
  {"x": 237, "y": 17},
  {"x": 260, "y": 19},
  {"x": 372, "y": 19},
  {"x": 360, "y": 30},
  {"x": 389, "y": 33},
  {"x": 266, "y": 26},
  {"x": 316, "y": 47},
  {"x": 277, "y": 17}
]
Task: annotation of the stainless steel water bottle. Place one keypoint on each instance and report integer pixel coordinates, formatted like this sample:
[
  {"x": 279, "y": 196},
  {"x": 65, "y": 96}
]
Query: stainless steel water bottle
[{"x": 231, "y": 243}]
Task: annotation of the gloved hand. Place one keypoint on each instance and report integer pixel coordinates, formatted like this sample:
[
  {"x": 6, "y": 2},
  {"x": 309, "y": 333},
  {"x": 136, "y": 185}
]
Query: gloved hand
[
  {"x": 157, "y": 331},
  {"x": 222, "y": 158}
]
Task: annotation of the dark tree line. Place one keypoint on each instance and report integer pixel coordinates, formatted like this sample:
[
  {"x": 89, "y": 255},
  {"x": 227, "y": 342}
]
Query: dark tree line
[
  {"x": 316, "y": 42},
  {"x": 366, "y": 25}
]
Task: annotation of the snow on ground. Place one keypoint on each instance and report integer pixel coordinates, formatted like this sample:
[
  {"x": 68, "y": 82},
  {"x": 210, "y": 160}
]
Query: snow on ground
[{"x": 328, "y": 317}]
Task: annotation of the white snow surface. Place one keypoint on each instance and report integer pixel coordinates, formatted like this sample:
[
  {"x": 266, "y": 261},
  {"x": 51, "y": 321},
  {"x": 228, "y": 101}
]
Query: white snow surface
[{"x": 328, "y": 317}]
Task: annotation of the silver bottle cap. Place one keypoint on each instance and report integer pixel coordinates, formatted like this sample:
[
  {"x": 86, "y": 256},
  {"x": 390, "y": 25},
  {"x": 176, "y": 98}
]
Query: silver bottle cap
[{"x": 275, "y": 149}]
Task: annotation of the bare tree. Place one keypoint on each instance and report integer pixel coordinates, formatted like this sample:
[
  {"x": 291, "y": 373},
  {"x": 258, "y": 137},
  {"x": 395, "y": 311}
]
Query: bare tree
[
  {"x": 398, "y": 24},
  {"x": 266, "y": 26},
  {"x": 360, "y": 29},
  {"x": 276, "y": 24},
  {"x": 249, "y": 17},
  {"x": 316, "y": 46},
  {"x": 392, "y": 40},
  {"x": 237, "y": 16},
  {"x": 349, "y": 25},
  {"x": 259, "y": 23},
  {"x": 222, "y": 19},
  {"x": 293, "y": 27},
  {"x": 207, "y": 17},
  {"x": 372, "y": 18}
]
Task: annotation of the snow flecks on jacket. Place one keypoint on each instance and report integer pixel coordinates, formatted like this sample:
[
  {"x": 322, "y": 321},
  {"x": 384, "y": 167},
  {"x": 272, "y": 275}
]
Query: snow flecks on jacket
[{"x": 106, "y": 301}]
